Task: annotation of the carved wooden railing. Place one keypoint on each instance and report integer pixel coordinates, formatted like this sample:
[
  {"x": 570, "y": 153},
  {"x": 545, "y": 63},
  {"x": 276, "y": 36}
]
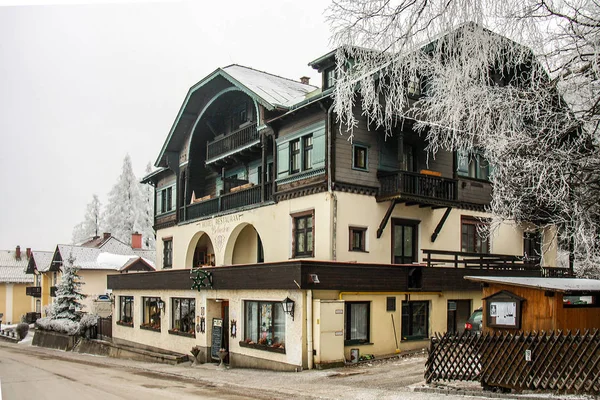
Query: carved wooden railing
[
  {"x": 456, "y": 259},
  {"x": 232, "y": 141},
  {"x": 419, "y": 185}
]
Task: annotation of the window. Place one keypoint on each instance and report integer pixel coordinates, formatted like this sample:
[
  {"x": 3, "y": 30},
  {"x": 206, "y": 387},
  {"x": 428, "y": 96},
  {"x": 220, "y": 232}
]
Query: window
[
  {"x": 166, "y": 203},
  {"x": 358, "y": 316},
  {"x": 36, "y": 280},
  {"x": 151, "y": 313},
  {"x": 38, "y": 306},
  {"x": 295, "y": 156},
  {"x": 269, "y": 173},
  {"x": 303, "y": 235},
  {"x": 307, "y": 146},
  {"x": 532, "y": 246},
  {"x": 390, "y": 304},
  {"x": 183, "y": 316},
  {"x": 357, "y": 239},
  {"x": 360, "y": 157},
  {"x": 576, "y": 301},
  {"x": 125, "y": 310},
  {"x": 404, "y": 241},
  {"x": 413, "y": 87},
  {"x": 167, "y": 253},
  {"x": 264, "y": 323},
  {"x": 329, "y": 79},
  {"x": 472, "y": 165},
  {"x": 473, "y": 239},
  {"x": 415, "y": 320},
  {"x": 408, "y": 158}
]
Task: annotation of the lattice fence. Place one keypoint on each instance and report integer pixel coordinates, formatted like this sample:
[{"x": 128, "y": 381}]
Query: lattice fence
[{"x": 557, "y": 361}]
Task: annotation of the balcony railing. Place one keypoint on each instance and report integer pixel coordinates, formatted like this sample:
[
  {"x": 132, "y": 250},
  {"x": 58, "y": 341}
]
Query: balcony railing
[
  {"x": 236, "y": 140},
  {"x": 52, "y": 291},
  {"x": 35, "y": 291},
  {"x": 456, "y": 259},
  {"x": 418, "y": 185},
  {"x": 229, "y": 201}
]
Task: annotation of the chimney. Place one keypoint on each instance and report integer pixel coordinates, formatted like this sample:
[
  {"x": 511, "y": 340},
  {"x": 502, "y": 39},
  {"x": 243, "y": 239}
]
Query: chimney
[
  {"x": 18, "y": 253},
  {"x": 28, "y": 253},
  {"x": 136, "y": 240},
  {"x": 304, "y": 80},
  {"x": 106, "y": 235}
]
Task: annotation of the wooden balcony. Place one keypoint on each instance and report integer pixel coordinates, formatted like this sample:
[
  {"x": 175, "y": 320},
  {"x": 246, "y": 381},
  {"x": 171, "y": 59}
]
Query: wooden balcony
[
  {"x": 233, "y": 142},
  {"x": 35, "y": 291},
  {"x": 461, "y": 259},
  {"x": 235, "y": 199},
  {"x": 417, "y": 188},
  {"x": 52, "y": 291}
]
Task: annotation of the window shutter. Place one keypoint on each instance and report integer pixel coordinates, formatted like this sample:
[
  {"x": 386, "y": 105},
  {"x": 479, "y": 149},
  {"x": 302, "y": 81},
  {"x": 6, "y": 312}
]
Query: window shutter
[
  {"x": 174, "y": 197},
  {"x": 158, "y": 201},
  {"x": 283, "y": 159},
  {"x": 318, "y": 157}
]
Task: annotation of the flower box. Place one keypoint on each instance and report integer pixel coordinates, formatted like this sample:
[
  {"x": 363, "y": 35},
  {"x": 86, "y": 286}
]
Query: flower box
[{"x": 262, "y": 347}]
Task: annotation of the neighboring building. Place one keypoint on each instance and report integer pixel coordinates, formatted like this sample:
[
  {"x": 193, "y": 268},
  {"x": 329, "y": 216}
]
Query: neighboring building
[
  {"x": 539, "y": 304},
  {"x": 96, "y": 258},
  {"x": 257, "y": 188},
  {"x": 39, "y": 266},
  {"x": 15, "y": 285}
]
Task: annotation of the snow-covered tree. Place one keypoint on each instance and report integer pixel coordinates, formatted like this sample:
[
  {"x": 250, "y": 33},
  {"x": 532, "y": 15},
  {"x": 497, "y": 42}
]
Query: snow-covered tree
[
  {"x": 147, "y": 213},
  {"x": 92, "y": 223},
  {"x": 125, "y": 205},
  {"x": 68, "y": 293},
  {"x": 527, "y": 97}
]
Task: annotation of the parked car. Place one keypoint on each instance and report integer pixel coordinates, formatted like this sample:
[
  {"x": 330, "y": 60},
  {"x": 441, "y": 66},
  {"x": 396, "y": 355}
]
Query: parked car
[{"x": 475, "y": 321}]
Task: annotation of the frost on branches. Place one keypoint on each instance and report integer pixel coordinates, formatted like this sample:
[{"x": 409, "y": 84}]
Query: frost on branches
[
  {"x": 526, "y": 96},
  {"x": 68, "y": 294},
  {"x": 91, "y": 225}
]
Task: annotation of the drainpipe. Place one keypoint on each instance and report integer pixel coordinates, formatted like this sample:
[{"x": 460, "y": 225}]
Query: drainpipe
[
  {"x": 333, "y": 255},
  {"x": 309, "y": 329}
]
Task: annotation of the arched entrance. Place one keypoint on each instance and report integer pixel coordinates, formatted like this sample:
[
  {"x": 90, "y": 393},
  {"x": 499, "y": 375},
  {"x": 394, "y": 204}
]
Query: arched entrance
[
  {"x": 201, "y": 251},
  {"x": 244, "y": 246}
]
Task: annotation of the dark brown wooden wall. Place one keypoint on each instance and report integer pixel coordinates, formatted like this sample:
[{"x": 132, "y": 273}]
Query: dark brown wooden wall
[{"x": 471, "y": 191}]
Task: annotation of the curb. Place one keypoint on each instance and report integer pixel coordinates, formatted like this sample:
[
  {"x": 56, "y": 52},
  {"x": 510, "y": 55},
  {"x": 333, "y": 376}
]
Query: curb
[{"x": 491, "y": 395}]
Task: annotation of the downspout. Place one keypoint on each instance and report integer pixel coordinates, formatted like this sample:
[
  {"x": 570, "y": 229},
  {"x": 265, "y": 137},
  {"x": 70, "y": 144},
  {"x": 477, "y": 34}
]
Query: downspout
[
  {"x": 309, "y": 329},
  {"x": 333, "y": 255}
]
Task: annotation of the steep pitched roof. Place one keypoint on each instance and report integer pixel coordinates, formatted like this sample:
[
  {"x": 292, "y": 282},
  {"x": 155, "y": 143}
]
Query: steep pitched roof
[
  {"x": 40, "y": 261},
  {"x": 12, "y": 270}
]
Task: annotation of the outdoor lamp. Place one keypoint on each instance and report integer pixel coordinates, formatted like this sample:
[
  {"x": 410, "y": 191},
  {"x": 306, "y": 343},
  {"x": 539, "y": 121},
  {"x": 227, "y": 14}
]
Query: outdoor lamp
[
  {"x": 161, "y": 304},
  {"x": 288, "y": 306}
]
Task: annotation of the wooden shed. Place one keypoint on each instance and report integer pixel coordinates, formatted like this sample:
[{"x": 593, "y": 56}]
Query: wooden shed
[{"x": 539, "y": 304}]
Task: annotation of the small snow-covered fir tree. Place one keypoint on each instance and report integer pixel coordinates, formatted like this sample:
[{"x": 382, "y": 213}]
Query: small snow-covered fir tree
[
  {"x": 68, "y": 293},
  {"x": 146, "y": 222},
  {"x": 125, "y": 203},
  {"x": 92, "y": 223}
]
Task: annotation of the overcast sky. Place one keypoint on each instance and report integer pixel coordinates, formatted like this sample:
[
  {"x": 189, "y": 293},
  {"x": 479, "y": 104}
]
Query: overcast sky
[{"x": 82, "y": 85}]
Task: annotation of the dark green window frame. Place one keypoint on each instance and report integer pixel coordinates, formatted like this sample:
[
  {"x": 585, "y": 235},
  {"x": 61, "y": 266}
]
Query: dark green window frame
[{"x": 415, "y": 320}]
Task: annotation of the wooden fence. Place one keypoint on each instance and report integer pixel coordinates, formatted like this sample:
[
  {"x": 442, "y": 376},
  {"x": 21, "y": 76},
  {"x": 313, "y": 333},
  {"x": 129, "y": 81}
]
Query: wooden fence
[
  {"x": 105, "y": 328},
  {"x": 555, "y": 361}
]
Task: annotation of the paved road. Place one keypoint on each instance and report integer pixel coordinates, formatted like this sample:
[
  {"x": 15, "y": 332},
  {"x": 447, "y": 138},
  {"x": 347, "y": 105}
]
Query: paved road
[{"x": 30, "y": 373}]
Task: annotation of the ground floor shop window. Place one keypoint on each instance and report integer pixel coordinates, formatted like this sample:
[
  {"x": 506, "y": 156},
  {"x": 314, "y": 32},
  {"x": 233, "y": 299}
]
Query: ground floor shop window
[
  {"x": 125, "y": 310},
  {"x": 358, "y": 316},
  {"x": 183, "y": 315},
  {"x": 264, "y": 324},
  {"x": 151, "y": 313},
  {"x": 415, "y": 320}
]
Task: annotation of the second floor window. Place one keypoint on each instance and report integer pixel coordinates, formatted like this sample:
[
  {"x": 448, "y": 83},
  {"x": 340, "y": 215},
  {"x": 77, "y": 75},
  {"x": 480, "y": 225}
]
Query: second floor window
[
  {"x": 301, "y": 154},
  {"x": 357, "y": 239},
  {"x": 360, "y": 158},
  {"x": 303, "y": 235},
  {"x": 167, "y": 253},
  {"x": 472, "y": 165},
  {"x": 532, "y": 246},
  {"x": 307, "y": 148},
  {"x": 165, "y": 200},
  {"x": 295, "y": 156},
  {"x": 473, "y": 240}
]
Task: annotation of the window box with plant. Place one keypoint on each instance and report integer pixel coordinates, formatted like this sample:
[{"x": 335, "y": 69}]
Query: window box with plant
[
  {"x": 264, "y": 323},
  {"x": 125, "y": 311}
]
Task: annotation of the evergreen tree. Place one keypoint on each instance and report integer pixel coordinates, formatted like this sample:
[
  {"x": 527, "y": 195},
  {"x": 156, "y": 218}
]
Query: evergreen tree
[
  {"x": 92, "y": 223},
  {"x": 147, "y": 213},
  {"x": 68, "y": 293},
  {"x": 123, "y": 211}
]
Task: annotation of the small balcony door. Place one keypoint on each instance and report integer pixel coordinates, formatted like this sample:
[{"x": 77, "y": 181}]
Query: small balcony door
[{"x": 404, "y": 241}]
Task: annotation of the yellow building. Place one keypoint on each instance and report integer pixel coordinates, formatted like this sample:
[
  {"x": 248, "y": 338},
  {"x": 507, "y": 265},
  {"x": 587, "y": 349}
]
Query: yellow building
[
  {"x": 15, "y": 304},
  {"x": 259, "y": 199}
]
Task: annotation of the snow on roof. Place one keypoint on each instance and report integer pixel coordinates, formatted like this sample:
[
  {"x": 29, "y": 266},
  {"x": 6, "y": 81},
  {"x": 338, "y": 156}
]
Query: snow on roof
[
  {"x": 274, "y": 89},
  {"x": 42, "y": 259},
  {"x": 113, "y": 261},
  {"x": 13, "y": 270},
  {"x": 88, "y": 258},
  {"x": 554, "y": 284}
]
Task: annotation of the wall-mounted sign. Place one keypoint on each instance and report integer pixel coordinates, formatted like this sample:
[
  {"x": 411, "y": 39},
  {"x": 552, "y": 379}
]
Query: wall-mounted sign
[
  {"x": 503, "y": 310},
  {"x": 201, "y": 279}
]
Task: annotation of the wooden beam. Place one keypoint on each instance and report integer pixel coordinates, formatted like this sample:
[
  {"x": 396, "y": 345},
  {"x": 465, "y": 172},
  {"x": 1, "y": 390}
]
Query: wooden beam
[
  {"x": 440, "y": 224},
  {"x": 411, "y": 203},
  {"x": 386, "y": 218}
]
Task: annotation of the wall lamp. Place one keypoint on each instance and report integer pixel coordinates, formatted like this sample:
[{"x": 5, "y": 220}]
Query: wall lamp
[
  {"x": 161, "y": 304},
  {"x": 288, "y": 306}
]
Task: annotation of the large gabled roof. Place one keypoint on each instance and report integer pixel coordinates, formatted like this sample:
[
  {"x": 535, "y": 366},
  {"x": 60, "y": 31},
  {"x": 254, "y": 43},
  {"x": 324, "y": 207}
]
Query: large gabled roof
[
  {"x": 40, "y": 261},
  {"x": 271, "y": 91},
  {"x": 12, "y": 269},
  {"x": 98, "y": 258}
]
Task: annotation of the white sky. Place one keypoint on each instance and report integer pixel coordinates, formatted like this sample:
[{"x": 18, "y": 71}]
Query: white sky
[{"x": 82, "y": 85}]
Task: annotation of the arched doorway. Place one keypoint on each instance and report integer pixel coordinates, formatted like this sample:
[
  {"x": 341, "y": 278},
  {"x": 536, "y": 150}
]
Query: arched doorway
[
  {"x": 245, "y": 246},
  {"x": 201, "y": 251}
]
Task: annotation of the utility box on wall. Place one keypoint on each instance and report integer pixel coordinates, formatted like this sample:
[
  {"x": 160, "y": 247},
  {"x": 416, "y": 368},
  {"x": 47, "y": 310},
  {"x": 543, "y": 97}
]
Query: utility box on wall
[{"x": 328, "y": 333}]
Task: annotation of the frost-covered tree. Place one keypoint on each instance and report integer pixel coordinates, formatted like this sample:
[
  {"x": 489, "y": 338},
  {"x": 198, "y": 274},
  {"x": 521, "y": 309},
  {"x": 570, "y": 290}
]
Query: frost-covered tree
[
  {"x": 125, "y": 205},
  {"x": 92, "y": 223},
  {"x": 68, "y": 293},
  {"x": 147, "y": 213},
  {"x": 527, "y": 96}
]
